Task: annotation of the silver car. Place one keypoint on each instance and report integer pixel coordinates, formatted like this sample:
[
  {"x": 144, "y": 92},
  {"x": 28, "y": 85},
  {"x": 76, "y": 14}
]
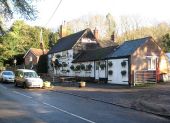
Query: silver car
[
  {"x": 28, "y": 79},
  {"x": 7, "y": 76}
]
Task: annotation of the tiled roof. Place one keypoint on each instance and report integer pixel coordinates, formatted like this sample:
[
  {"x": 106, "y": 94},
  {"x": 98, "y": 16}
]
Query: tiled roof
[
  {"x": 36, "y": 52},
  {"x": 124, "y": 50},
  {"x": 97, "y": 54},
  {"x": 128, "y": 47},
  {"x": 68, "y": 42}
]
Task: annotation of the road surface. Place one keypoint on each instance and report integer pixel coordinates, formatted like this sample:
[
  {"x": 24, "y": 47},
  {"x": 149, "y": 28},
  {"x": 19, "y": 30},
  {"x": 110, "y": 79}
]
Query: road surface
[{"x": 19, "y": 105}]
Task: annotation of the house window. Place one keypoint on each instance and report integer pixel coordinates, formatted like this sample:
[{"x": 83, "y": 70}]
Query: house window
[
  {"x": 152, "y": 62},
  {"x": 64, "y": 53},
  {"x": 97, "y": 65}
]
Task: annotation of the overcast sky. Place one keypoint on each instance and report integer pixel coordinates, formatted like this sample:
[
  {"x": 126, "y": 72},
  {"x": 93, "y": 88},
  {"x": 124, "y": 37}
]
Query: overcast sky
[{"x": 149, "y": 10}]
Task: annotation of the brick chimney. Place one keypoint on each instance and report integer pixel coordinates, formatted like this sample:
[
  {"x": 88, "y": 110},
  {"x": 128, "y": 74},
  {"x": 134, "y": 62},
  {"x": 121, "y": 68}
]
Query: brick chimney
[
  {"x": 113, "y": 36},
  {"x": 96, "y": 33},
  {"x": 63, "y": 30}
]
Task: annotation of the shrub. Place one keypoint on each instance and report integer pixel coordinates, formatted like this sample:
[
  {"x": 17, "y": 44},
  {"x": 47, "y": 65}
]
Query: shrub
[
  {"x": 102, "y": 66},
  {"x": 64, "y": 64},
  {"x": 42, "y": 66},
  {"x": 82, "y": 66},
  {"x": 110, "y": 64},
  {"x": 77, "y": 67},
  {"x": 72, "y": 67},
  {"x": 123, "y": 63},
  {"x": 68, "y": 71},
  {"x": 123, "y": 72},
  {"x": 110, "y": 72},
  {"x": 88, "y": 67}
]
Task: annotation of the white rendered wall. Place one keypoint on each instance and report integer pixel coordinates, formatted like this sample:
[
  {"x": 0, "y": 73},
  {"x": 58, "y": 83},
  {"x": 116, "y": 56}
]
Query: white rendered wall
[{"x": 116, "y": 77}]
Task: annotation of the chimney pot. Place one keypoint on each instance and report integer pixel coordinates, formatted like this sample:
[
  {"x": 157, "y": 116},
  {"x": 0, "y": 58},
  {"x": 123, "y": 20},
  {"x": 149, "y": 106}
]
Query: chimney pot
[{"x": 96, "y": 33}]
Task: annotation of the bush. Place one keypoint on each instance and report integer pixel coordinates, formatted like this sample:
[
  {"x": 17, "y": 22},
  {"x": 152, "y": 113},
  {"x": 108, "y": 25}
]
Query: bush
[
  {"x": 102, "y": 66},
  {"x": 110, "y": 64},
  {"x": 110, "y": 72},
  {"x": 72, "y": 67},
  {"x": 64, "y": 64},
  {"x": 77, "y": 68},
  {"x": 88, "y": 67},
  {"x": 123, "y": 63},
  {"x": 68, "y": 71},
  {"x": 82, "y": 66},
  {"x": 42, "y": 66},
  {"x": 123, "y": 72}
]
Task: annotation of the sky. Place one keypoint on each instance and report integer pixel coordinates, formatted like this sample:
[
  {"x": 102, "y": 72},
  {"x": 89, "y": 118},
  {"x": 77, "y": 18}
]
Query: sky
[{"x": 151, "y": 11}]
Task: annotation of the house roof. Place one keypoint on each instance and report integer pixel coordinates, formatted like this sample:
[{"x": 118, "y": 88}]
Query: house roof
[
  {"x": 107, "y": 43},
  {"x": 128, "y": 47},
  {"x": 36, "y": 52},
  {"x": 168, "y": 54},
  {"x": 96, "y": 54},
  {"x": 69, "y": 41}
]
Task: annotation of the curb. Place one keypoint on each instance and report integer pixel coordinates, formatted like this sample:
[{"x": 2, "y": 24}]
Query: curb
[{"x": 115, "y": 104}]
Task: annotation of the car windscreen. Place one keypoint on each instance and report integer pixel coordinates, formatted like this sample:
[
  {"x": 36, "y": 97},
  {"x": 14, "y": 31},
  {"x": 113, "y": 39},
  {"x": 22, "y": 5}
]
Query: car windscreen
[
  {"x": 8, "y": 73},
  {"x": 30, "y": 74}
]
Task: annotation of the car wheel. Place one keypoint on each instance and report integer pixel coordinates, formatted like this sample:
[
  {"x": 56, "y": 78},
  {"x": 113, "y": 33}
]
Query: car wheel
[{"x": 24, "y": 85}]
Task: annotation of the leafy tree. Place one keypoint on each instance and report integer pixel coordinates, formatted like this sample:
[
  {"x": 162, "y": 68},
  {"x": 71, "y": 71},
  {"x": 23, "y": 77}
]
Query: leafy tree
[
  {"x": 22, "y": 37},
  {"x": 23, "y": 8},
  {"x": 53, "y": 37},
  {"x": 166, "y": 42}
]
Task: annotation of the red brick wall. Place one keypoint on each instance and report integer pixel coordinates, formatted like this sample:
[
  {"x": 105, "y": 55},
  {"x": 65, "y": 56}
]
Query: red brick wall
[
  {"x": 139, "y": 61},
  {"x": 34, "y": 58}
]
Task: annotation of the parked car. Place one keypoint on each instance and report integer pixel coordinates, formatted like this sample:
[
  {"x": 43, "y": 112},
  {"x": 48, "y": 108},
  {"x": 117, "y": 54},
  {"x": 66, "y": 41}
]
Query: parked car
[
  {"x": 27, "y": 79},
  {"x": 7, "y": 76}
]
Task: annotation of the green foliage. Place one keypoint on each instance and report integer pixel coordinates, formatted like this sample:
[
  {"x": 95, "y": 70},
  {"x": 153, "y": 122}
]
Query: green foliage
[
  {"x": 20, "y": 39},
  {"x": 77, "y": 68},
  {"x": 88, "y": 67},
  {"x": 53, "y": 37},
  {"x": 82, "y": 66},
  {"x": 166, "y": 42},
  {"x": 64, "y": 64},
  {"x": 110, "y": 63},
  {"x": 123, "y": 72},
  {"x": 110, "y": 72},
  {"x": 72, "y": 67},
  {"x": 123, "y": 63},
  {"x": 102, "y": 66}
]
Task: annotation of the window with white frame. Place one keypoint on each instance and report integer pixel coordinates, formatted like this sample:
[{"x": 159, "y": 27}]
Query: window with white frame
[{"x": 152, "y": 62}]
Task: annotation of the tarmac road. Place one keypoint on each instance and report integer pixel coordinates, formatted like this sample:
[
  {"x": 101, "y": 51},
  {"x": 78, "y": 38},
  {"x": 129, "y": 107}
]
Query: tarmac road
[{"x": 19, "y": 105}]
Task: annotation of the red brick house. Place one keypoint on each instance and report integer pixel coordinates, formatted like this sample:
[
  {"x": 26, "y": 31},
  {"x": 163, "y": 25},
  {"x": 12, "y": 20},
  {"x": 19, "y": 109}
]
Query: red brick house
[{"x": 32, "y": 56}]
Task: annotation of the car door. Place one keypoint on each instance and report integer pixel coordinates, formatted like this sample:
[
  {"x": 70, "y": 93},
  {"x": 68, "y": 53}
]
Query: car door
[{"x": 19, "y": 77}]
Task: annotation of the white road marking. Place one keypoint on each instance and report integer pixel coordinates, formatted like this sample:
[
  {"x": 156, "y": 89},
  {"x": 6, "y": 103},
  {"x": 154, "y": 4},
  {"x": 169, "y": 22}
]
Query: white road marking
[
  {"x": 22, "y": 94},
  {"x": 68, "y": 113},
  {"x": 57, "y": 108}
]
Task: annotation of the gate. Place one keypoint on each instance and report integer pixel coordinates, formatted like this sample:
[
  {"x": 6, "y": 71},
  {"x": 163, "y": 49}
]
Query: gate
[{"x": 145, "y": 76}]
